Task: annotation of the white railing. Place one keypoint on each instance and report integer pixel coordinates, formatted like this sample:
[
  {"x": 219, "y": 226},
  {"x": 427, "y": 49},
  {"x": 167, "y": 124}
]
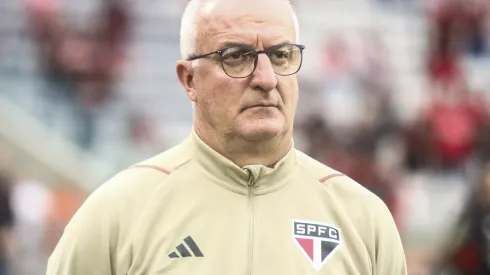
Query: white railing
[{"x": 52, "y": 158}]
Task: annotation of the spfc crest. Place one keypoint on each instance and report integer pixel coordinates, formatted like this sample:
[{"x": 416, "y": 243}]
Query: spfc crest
[{"x": 317, "y": 241}]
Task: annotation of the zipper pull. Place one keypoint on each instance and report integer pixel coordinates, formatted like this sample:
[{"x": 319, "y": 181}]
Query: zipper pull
[
  {"x": 252, "y": 177},
  {"x": 251, "y": 181}
]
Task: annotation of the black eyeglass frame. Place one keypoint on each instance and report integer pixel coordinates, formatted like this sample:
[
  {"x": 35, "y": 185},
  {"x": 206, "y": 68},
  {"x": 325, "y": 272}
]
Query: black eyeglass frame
[{"x": 266, "y": 51}]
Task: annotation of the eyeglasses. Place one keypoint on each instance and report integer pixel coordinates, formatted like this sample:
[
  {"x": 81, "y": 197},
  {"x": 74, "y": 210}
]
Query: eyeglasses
[{"x": 241, "y": 61}]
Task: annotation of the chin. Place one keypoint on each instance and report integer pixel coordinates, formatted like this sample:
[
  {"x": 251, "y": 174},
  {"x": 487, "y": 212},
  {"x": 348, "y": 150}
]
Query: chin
[{"x": 261, "y": 130}]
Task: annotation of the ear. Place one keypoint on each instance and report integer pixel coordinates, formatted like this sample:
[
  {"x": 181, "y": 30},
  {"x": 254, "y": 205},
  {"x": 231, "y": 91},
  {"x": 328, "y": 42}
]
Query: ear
[{"x": 185, "y": 73}]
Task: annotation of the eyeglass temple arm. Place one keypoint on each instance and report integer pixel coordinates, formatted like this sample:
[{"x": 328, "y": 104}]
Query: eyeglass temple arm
[{"x": 201, "y": 56}]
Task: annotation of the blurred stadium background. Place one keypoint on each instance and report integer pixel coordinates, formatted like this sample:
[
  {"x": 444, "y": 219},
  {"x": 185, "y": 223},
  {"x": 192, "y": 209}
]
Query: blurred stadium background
[{"x": 395, "y": 93}]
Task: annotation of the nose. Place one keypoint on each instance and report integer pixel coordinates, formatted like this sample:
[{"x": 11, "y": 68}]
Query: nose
[{"x": 264, "y": 77}]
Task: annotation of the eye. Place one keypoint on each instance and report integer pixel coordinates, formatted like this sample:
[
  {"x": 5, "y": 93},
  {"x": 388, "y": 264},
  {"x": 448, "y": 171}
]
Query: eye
[
  {"x": 280, "y": 54},
  {"x": 236, "y": 54},
  {"x": 232, "y": 55}
]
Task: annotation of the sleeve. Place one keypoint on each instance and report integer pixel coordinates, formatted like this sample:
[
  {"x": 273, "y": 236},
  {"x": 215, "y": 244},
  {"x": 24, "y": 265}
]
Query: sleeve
[
  {"x": 88, "y": 244},
  {"x": 389, "y": 253}
]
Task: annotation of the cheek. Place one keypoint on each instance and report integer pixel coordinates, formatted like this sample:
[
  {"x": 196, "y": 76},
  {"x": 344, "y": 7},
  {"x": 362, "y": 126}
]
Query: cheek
[
  {"x": 219, "y": 93},
  {"x": 223, "y": 93},
  {"x": 289, "y": 94}
]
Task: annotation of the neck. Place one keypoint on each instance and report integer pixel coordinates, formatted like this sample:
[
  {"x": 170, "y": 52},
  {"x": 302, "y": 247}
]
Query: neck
[{"x": 243, "y": 152}]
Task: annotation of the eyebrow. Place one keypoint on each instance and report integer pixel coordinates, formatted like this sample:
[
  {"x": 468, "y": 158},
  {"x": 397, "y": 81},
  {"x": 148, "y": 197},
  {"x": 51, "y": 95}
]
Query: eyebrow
[{"x": 235, "y": 44}]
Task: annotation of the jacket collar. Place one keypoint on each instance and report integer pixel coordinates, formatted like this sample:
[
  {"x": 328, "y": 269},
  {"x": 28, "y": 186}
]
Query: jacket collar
[{"x": 226, "y": 173}]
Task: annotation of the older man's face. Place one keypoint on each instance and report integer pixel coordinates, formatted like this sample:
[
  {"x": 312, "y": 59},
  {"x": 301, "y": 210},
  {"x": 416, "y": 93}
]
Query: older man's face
[{"x": 261, "y": 106}]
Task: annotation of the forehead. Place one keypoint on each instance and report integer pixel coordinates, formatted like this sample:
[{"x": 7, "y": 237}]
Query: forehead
[{"x": 267, "y": 26}]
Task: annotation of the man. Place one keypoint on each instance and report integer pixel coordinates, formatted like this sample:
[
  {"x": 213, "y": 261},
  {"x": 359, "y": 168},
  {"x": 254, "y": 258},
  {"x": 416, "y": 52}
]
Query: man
[
  {"x": 80, "y": 68},
  {"x": 235, "y": 197}
]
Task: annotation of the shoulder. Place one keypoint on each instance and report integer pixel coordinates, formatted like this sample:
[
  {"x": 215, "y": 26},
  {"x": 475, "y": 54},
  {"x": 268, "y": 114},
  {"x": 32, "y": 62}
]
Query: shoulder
[
  {"x": 132, "y": 185},
  {"x": 109, "y": 217},
  {"x": 346, "y": 190},
  {"x": 151, "y": 172},
  {"x": 364, "y": 209},
  {"x": 116, "y": 205},
  {"x": 316, "y": 169},
  {"x": 165, "y": 162}
]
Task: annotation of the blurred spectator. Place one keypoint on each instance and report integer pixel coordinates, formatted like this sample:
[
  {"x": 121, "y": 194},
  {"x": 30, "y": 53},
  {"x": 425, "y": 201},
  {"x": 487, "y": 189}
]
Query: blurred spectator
[
  {"x": 449, "y": 130},
  {"x": 457, "y": 27},
  {"x": 373, "y": 66},
  {"x": 444, "y": 64},
  {"x": 474, "y": 32},
  {"x": 443, "y": 61},
  {"x": 357, "y": 114},
  {"x": 417, "y": 153},
  {"x": 6, "y": 222},
  {"x": 343, "y": 101},
  {"x": 445, "y": 18},
  {"x": 356, "y": 156},
  {"x": 80, "y": 67},
  {"x": 319, "y": 138},
  {"x": 467, "y": 248}
]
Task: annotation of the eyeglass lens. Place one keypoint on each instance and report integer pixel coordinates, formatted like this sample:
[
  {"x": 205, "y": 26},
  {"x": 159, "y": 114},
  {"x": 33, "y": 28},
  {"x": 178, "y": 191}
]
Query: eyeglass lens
[{"x": 240, "y": 61}]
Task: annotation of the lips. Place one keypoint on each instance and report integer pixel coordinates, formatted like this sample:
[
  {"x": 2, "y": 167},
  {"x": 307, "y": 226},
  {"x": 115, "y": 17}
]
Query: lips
[{"x": 260, "y": 105}]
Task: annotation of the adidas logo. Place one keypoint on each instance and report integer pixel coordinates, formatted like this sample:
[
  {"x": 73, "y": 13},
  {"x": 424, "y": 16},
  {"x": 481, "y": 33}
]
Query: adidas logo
[{"x": 184, "y": 252}]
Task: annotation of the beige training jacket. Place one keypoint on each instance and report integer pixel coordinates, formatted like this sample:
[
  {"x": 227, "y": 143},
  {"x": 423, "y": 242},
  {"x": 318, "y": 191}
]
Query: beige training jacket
[{"x": 189, "y": 211}]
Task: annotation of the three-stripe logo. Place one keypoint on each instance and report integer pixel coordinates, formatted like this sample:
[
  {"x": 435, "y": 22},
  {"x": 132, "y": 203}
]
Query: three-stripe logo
[{"x": 184, "y": 252}]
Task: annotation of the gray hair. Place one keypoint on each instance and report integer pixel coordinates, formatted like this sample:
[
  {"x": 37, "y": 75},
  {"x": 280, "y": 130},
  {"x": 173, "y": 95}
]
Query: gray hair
[{"x": 190, "y": 19}]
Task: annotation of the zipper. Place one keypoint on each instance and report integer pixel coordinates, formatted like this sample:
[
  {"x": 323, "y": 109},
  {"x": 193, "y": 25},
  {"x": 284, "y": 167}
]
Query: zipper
[{"x": 251, "y": 222}]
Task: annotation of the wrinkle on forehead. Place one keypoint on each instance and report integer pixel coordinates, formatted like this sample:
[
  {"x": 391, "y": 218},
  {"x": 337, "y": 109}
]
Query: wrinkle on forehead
[{"x": 244, "y": 25}]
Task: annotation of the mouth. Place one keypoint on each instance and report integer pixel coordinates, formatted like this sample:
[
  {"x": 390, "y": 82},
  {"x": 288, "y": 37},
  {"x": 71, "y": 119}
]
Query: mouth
[{"x": 260, "y": 106}]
